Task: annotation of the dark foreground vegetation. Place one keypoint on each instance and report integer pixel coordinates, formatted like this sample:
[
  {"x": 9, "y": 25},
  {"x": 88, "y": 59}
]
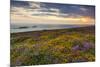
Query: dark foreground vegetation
[{"x": 53, "y": 46}]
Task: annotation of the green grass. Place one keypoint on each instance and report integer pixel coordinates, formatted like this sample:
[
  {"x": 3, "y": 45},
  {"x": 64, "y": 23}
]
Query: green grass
[{"x": 54, "y": 46}]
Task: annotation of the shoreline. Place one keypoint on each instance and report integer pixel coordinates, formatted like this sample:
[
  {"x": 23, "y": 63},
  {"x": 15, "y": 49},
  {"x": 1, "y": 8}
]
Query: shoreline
[{"x": 91, "y": 27}]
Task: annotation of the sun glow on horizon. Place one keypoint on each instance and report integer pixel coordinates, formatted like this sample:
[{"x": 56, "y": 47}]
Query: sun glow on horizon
[
  {"x": 52, "y": 20},
  {"x": 42, "y": 13}
]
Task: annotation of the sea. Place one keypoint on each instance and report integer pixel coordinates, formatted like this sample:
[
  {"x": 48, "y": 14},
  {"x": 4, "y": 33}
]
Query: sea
[{"x": 15, "y": 28}]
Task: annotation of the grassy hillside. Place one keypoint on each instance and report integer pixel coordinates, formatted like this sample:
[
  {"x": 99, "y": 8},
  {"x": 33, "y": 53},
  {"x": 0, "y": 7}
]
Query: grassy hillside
[{"x": 53, "y": 46}]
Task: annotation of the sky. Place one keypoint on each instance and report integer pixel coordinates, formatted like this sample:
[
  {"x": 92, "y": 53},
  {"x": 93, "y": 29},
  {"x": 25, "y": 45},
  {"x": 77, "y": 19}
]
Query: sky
[{"x": 51, "y": 13}]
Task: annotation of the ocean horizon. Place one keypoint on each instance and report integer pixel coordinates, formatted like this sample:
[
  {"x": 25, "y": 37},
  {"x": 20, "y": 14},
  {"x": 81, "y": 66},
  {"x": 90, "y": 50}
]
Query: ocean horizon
[{"x": 15, "y": 28}]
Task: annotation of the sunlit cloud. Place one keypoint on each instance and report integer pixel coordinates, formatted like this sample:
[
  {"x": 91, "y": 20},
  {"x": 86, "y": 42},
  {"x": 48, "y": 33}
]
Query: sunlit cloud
[{"x": 41, "y": 13}]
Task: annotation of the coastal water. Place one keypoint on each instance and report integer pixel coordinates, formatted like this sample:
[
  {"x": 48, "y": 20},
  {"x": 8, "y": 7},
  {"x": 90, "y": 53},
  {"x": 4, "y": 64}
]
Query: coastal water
[{"x": 37, "y": 27}]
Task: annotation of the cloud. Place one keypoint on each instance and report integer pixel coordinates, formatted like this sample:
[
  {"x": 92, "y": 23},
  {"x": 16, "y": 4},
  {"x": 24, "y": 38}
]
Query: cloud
[
  {"x": 34, "y": 5},
  {"x": 34, "y": 9},
  {"x": 83, "y": 9},
  {"x": 33, "y": 12}
]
